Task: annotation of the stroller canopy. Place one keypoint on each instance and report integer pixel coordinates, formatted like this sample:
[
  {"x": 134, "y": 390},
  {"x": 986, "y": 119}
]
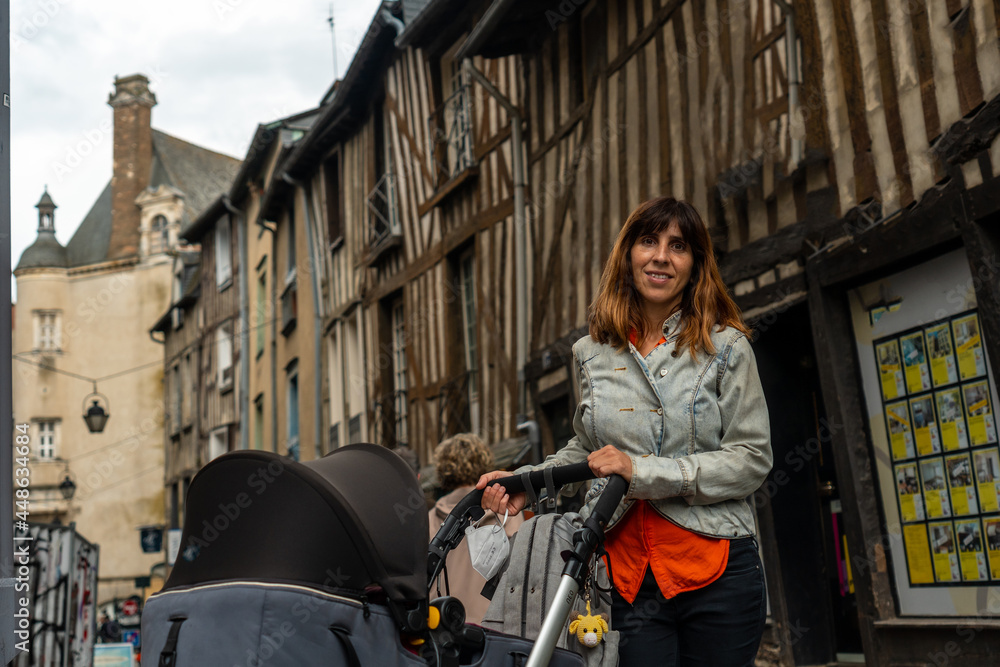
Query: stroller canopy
[{"x": 350, "y": 520}]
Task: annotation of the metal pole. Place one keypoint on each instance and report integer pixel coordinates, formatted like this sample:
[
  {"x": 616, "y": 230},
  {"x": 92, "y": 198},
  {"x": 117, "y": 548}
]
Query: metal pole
[
  {"x": 555, "y": 621},
  {"x": 7, "y": 648},
  {"x": 244, "y": 394},
  {"x": 68, "y": 597},
  {"x": 317, "y": 264},
  {"x": 520, "y": 230}
]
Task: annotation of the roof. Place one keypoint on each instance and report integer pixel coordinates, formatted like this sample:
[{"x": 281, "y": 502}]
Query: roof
[
  {"x": 46, "y": 251},
  {"x": 201, "y": 174},
  {"x": 46, "y": 200},
  {"x": 89, "y": 244}
]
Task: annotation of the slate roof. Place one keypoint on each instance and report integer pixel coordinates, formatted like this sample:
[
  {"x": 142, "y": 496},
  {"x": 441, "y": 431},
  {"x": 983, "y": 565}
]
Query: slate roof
[
  {"x": 46, "y": 251},
  {"x": 201, "y": 174}
]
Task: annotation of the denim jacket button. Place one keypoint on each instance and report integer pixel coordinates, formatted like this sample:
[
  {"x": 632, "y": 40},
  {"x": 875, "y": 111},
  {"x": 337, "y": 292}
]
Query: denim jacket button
[
  {"x": 663, "y": 371},
  {"x": 659, "y": 411}
]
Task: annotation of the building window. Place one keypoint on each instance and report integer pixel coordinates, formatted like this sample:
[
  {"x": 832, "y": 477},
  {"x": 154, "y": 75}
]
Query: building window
[
  {"x": 331, "y": 175},
  {"x": 261, "y": 312},
  {"x": 46, "y": 439},
  {"x": 399, "y": 371},
  {"x": 190, "y": 379},
  {"x": 223, "y": 253},
  {"x": 48, "y": 330},
  {"x": 177, "y": 396},
  {"x": 258, "y": 422},
  {"x": 354, "y": 429},
  {"x": 290, "y": 264},
  {"x": 293, "y": 409},
  {"x": 451, "y": 123},
  {"x": 224, "y": 356},
  {"x": 175, "y": 506},
  {"x": 218, "y": 442},
  {"x": 467, "y": 281},
  {"x": 289, "y": 308},
  {"x": 176, "y": 314},
  {"x": 335, "y": 436},
  {"x": 159, "y": 236}
]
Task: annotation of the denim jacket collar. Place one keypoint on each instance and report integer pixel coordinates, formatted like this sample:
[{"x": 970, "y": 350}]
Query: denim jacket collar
[{"x": 672, "y": 325}]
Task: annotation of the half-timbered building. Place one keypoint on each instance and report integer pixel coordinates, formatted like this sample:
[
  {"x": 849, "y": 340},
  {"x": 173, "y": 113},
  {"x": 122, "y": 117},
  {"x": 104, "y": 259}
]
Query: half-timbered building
[{"x": 458, "y": 192}]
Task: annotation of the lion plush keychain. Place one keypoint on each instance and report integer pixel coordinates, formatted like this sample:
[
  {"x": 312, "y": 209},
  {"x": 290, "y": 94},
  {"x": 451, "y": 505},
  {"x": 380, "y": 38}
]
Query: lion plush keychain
[{"x": 589, "y": 629}]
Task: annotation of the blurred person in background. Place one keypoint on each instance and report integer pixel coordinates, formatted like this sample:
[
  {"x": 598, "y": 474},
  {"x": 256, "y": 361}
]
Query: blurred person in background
[{"x": 459, "y": 462}]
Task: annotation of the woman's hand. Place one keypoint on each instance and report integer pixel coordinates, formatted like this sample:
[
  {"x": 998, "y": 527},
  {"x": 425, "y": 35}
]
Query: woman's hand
[
  {"x": 496, "y": 498},
  {"x": 609, "y": 460}
]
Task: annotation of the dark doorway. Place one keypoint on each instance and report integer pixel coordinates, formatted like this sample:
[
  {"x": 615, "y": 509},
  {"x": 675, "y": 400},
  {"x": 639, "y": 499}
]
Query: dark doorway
[{"x": 818, "y": 618}]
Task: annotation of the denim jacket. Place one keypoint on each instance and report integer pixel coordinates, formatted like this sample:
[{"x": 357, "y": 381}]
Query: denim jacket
[{"x": 696, "y": 430}]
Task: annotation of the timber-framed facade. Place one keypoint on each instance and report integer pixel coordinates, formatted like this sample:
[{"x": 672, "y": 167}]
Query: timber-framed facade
[{"x": 845, "y": 158}]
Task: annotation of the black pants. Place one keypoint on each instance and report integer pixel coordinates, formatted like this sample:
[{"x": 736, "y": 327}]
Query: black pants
[{"x": 719, "y": 625}]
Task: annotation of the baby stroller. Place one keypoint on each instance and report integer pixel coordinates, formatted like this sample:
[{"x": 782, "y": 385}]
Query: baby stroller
[{"x": 326, "y": 562}]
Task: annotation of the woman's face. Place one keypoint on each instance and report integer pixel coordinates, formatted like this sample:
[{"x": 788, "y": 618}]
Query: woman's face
[{"x": 661, "y": 269}]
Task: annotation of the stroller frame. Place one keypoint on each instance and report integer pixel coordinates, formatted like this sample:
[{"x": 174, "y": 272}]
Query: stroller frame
[{"x": 577, "y": 569}]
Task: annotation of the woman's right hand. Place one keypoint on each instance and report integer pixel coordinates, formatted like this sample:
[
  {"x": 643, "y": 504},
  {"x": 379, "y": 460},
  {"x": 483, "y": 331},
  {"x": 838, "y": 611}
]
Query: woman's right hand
[{"x": 496, "y": 498}]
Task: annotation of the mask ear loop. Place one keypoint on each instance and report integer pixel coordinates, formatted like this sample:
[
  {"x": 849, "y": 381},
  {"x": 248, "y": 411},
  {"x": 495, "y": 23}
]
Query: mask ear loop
[{"x": 499, "y": 526}]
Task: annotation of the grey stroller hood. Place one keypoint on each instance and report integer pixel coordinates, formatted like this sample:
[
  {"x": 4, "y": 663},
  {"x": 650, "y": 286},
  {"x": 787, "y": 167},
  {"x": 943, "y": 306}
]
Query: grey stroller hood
[{"x": 351, "y": 521}]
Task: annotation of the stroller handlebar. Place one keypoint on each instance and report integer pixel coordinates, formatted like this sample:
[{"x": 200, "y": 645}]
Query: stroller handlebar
[
  {"x": 561, "y": 476},
  {"x": 452, "y": 530},
  {"x": 611, "y": 495}
]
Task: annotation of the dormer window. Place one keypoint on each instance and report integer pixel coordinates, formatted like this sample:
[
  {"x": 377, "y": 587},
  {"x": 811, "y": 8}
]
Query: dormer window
[{"x": 159, "y": 235}]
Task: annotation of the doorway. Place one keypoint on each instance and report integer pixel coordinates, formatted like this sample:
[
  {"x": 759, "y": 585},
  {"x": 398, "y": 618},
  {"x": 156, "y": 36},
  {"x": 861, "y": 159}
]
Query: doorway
[{"x": 801, "y": 500}]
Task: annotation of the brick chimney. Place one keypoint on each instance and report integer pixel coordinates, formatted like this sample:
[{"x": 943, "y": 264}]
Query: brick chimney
[{"x": 133, "y": 160}]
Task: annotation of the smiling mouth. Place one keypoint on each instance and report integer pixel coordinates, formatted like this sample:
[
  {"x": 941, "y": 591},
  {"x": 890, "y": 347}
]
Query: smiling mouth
[{"x": 659, "y": 277}]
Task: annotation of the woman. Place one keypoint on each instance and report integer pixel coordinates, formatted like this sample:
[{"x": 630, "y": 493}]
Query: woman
[
  {"x": 671, "y": 401},
  {"x": 459, "y": 461}
]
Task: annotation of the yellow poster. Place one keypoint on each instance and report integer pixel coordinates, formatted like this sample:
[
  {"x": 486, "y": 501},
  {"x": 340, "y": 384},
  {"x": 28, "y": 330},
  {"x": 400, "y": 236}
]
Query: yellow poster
[
  {"x": 979, "y": 413},
  {"x": 897, "y": 417},
  {"x": 925, "y": 428},
  {"x": 987, "y": 464},
  {"x": 951, "y": 419},
  {"x": 911, "y": 504},
  {"x": 969, "y": 345},
  {"x": 935, "y": 488},
  {"x": 890, "y": 369},
  {"x": 944, "y": 553},
  {"x": 960, "y": 482},
  {"x": 991, "y": 527},
  {"x": 918, "y": 377},
  {"x": 970, "y": 550},
  {"x": 941, "y": 354},
  {"x": 918, "y": 555}
]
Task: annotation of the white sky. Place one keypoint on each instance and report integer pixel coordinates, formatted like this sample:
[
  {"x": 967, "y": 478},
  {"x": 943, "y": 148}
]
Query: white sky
[{"x": 217, "y": 68}]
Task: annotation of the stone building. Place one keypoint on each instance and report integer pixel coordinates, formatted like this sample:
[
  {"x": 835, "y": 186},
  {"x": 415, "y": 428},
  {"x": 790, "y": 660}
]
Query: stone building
[{"x": 85, "y": 313}]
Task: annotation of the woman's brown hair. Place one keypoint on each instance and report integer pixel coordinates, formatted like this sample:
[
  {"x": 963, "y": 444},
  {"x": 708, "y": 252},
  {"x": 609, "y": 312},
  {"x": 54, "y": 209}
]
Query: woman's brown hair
[{"x": 617, "y": 309}]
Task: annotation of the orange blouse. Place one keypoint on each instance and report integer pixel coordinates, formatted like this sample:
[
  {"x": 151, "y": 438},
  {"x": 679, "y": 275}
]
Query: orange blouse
[{"x": 681, "y": 560}]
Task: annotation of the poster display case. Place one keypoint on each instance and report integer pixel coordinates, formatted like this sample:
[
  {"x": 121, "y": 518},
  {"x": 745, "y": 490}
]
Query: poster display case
[{"x": 930, "y": 397}]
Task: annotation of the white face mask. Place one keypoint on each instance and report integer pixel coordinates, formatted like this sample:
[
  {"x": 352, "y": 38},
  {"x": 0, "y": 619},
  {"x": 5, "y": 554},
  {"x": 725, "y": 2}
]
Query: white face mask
[{"x": 488, "y": 547}]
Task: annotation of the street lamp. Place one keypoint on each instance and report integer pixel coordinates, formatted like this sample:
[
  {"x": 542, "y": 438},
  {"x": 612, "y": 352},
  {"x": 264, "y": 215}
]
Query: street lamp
[
  {"x": 67, "y": 488},
  {"x": 96, "y": 416}
]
